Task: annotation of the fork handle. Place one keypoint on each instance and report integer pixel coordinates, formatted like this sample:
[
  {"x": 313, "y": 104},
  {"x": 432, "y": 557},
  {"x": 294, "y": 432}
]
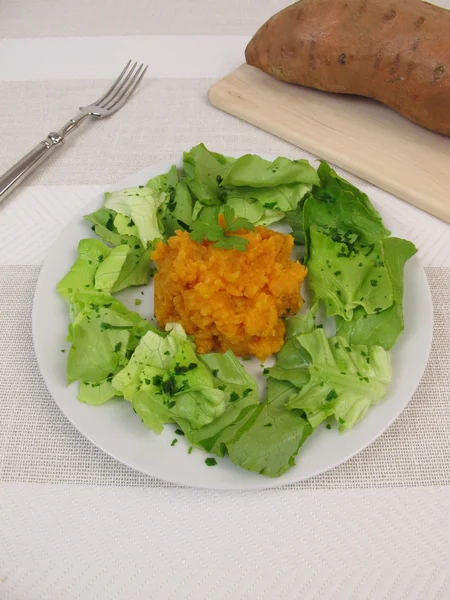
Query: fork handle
[{"x": 17, "y": 173}]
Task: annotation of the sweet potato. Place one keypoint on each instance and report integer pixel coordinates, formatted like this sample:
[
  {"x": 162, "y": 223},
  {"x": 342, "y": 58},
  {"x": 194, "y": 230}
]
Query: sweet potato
[{"x": 397, "y": 52}]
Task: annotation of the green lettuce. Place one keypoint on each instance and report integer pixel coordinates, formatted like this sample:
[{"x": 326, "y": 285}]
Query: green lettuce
[
  {"x": 382, "y": 328},
  {"x": 344, "y": 251},
  {"x": 104, "y": 334},
  {"x": 179, "y": 208},
  {"x": 203, "y": 171},
  {"x": 292, "y": 362},
  {"x": 252, "y": 170},
  {"x": 294, "y": 219},
  {"x": 241, "y": 393},
  {"x": 346, "y": 279},
  {"x": 167, "y": 382},
  {"x": 271, "y": 435},
  {"x": 103, "y": 225},
  {"x": 137, "y": 267},
  {"x": 141, "y": 205},
  {"x": 97, "y": 393},
  {"x": 109, "y": 270},
  {"x": 345, "y": 379}
]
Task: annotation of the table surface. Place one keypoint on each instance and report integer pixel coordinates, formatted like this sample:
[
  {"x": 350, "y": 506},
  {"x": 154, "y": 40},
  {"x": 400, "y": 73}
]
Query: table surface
[{"x": 74, "y": 522}]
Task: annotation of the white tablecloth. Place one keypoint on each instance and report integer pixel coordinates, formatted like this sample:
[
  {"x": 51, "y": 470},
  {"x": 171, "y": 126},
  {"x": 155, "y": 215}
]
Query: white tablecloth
[{"x": 74, "y": 523}]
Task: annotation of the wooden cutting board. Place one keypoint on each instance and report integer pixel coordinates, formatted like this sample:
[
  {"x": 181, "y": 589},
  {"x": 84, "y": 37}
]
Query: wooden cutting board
[{"x": 358, "y": 134}]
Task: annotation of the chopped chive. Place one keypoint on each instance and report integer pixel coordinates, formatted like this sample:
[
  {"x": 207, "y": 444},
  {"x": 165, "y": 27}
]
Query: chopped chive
[
  {"x": 331, "y": 396},
  {"x": 174, "y": 441},
  {"x": 211, "y": 462}
]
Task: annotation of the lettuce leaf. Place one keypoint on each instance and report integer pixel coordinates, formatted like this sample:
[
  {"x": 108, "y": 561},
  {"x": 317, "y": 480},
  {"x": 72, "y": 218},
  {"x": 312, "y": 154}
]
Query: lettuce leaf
[
  {"x": 167, "y": 382},
  {"x": 104, "y": 333},
  {"x": 382, "y": 328},
  {"x": 141, "y": 205},
  {"x": 241, "y": 393},
  {"x": 271, "y": 435},
  {"x": 252, "y": 170},
  {"x": 96, "y": 393},
  {"x": 345, "y": 279},
  {"x": 178, "y": 210},
  {"x": 137, "y": 267},
  {"x": 81, "y": 276},
  {"x": 292, "y": 362},
  {"x": 95, "y": 336},
  {"x": 203, "y": 171},
  {"x": 344, "y": 379},
  {"x": 110, "y": 268}
]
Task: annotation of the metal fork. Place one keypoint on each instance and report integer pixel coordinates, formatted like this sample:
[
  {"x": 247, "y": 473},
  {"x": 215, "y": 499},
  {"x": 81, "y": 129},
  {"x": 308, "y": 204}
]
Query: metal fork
[{"x": 117, "y": 95}]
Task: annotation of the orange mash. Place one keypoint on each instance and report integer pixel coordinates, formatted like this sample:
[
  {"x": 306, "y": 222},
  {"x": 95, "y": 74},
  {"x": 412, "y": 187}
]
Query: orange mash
[{"x": 226, "y": 298}]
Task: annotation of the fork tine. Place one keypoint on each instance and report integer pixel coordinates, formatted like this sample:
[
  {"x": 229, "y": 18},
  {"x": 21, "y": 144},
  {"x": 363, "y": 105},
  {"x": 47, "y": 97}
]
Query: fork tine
[
  {"x": 114, "y": 84},
  {"x": 118, "y": 88},
  {"x": 128, "y": 91}
]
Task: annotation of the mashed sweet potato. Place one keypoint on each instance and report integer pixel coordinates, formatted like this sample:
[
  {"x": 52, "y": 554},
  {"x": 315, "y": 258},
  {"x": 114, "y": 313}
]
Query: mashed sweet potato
[{"x": 226, "y": 298}]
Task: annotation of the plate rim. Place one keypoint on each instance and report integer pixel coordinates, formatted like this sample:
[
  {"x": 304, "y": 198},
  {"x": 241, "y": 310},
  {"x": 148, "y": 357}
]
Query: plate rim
[{"x": 261, "y": 482}]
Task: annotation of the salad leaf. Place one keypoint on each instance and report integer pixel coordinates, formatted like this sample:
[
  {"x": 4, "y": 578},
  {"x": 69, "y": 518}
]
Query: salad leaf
[
  {"x": 102, "y": 217},
  {"x": 271, "y": 436},
  {"x": 382, "y": 328},
  {"x": 167, "y": 382},
  {"x": 141, "y": 206},
  {"x": 241, "y": 393},
  {"x": 345, "y": 279},
  {"x": 91, "y": 254},
  {"x": 294, "y": 219},
  {"x": 110, "y": 268},
  {"x": 215, "y": 436},
  {"x": 136, "y": 270},
  {"x": 253, "y": 211},
  {"x": 125, "y": 226},
  {"x": 178, "y": 211},
  {"x": 155, "y": 350},
  {"x": 203, "y": 171},
  {"x": 252, "y": 170},
  {"x": 228, "y": 371},
  {"x": 283, "y": 198},
  {"x": 341, "y": 208},
  {"x": 344, "y": 379},
  {"x": 137, "y": 267},
  {"x": 182, "y": 211},
  {"x": 103, "y": 333},
  {"x": 95, "y": 335},
  {"x": 96, "y": 393},
  {"x": 325, "y": 172},
  {"x": 292, "y": 363}
]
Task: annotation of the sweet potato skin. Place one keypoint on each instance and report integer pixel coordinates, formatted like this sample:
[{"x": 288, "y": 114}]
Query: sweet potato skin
[{"x": 395, "y": 52}]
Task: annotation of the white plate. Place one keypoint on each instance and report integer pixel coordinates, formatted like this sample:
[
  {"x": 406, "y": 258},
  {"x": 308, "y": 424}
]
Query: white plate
[{"x": 117, "y": 430}]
